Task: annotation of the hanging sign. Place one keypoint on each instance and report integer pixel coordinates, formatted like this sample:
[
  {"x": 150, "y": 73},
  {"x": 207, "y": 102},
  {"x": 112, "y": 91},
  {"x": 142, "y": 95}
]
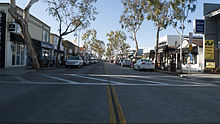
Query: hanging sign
[{"x": 209, "y": 49}]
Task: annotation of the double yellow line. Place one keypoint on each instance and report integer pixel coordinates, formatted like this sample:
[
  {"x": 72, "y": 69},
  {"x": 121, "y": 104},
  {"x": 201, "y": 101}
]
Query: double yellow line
[{"x": 116, "y": 114}]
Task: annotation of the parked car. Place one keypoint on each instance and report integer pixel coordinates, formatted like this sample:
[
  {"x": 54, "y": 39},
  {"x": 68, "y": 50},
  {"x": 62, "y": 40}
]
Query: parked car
[
  {"x": 120, "y": 61},
  {"x": 117, "y": 62},
  {"x": 144, "y": 64},
  {"x": 126, "y": 63},
  {"x": 74, "y": 61}
]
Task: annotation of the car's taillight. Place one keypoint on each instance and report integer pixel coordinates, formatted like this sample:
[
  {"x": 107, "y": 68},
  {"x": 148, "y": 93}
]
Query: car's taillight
[
  {"x": 152, "y": 63},
  {"x": 142, "y": 63}
]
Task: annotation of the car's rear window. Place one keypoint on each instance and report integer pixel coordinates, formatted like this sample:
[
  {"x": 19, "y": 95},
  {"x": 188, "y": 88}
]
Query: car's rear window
[
  {"x": 74, "y": 58},
  {"x": 145, "y": 60}
]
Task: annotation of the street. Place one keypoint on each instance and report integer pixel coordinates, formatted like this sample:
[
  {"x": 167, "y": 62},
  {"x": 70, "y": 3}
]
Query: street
[{"x": 106, "y": 93}]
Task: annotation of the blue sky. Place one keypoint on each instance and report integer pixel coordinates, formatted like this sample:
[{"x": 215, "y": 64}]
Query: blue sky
[{"x": 108, "y": 19}]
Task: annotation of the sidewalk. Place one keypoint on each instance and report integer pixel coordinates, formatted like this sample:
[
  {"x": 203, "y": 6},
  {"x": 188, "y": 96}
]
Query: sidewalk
[
  {"x": 15, "y": 71},
  {"x": 195, "y": 75}
]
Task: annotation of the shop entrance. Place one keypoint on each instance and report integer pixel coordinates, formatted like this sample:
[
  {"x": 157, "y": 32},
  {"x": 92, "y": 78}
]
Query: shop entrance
[{"x": 2, "y": 39}]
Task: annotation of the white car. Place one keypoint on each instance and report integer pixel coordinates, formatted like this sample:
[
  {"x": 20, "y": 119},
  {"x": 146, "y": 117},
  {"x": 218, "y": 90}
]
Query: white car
[
  {"x": 126, "y": 63},
  {"x": 74, "y": 61},
  {"x": 144, "y": 64}
]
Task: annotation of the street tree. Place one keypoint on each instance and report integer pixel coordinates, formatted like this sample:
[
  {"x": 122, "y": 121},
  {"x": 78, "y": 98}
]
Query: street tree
[
  {"x": 98, "y": 47},
  {"x": 132, "y": 18},
  {"x": 88, "y": 37},
  {"x": 116, "y": 40},
  {"x": 158, "y": 12},
  {"x": 180, "y": 12},
  {"x": 125, "y": 49},
  {"x": 110, "y": 51},
  {"x": 22, "y": 21},
  {"x": 71, "y": 15}
]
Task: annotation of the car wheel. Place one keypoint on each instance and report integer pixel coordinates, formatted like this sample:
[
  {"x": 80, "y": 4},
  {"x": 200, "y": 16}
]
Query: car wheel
[{"x": 66, "y": 66}]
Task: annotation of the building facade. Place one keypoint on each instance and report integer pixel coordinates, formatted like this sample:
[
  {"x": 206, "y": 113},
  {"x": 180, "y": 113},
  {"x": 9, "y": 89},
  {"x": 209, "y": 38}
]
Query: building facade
[
  {"x": 13, "y": 50},
  {"x": 211, "y": 40}
]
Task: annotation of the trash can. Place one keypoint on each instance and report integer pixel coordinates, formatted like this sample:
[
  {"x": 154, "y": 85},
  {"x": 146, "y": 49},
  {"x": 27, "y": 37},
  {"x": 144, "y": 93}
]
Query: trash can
[{"x": 173, "y": 67}]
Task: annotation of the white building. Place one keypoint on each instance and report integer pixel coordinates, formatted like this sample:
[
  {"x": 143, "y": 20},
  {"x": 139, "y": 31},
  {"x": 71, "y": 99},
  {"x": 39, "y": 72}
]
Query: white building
[
  {"x": 13, "y": 50},
  {"x": 170, "y": 40}
]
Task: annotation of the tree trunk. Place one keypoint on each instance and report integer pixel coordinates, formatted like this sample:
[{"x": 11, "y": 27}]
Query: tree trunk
[
  {"x": 157, "y": 41},
  {"x": 58, "y": 50},
  {"x": 28, "y": 41},
  {"x": 181, "y": 54},
  {"x": 24, "y": 29},
  {"x": 135, "y": 40}
]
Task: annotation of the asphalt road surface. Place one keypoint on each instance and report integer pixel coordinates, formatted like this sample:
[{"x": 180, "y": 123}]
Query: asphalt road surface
[{"x": 106, "y": 93}]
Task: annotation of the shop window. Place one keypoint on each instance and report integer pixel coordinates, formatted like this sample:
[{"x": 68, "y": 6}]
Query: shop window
[
  {"x": 18, "y": 54},
  {"x": 45, "y": 36},
  {"x": 13, "y": 47}
]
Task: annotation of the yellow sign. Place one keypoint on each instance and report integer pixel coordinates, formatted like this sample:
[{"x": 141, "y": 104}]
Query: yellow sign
[
  {"x": 209, "y": 49},
  {"x": 210, "y": 64}
]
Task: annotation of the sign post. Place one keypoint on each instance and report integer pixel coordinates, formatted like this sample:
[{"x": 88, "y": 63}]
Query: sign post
[{"x": 190, "y": 49}]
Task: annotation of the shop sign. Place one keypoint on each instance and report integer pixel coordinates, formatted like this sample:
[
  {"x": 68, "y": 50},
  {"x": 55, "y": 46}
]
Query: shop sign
[
  {"x": 209, "y": 49},
  {"x": 46, "y": 45},
  {"x": 210, "y": 64},
  {"x": 199, "y": 26},
  {"x": 11, "y": 27}
]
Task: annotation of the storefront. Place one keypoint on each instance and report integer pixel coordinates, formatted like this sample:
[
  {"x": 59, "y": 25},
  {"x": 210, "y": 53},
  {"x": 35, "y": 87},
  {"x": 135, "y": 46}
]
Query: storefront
[
  {"x": 2, "y": 39},
  {"x": 211, "y": 36}
]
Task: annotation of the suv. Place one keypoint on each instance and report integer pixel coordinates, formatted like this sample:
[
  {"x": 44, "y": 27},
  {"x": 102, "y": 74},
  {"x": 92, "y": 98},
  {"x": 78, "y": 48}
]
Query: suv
[{"x": 74, "y": 61}]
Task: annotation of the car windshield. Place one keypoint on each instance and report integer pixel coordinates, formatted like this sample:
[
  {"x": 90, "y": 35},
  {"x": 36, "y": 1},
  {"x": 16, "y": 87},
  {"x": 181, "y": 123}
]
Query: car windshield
[
  {"x": 127, "y": 60},
  {"x": 74, "y": 58}
]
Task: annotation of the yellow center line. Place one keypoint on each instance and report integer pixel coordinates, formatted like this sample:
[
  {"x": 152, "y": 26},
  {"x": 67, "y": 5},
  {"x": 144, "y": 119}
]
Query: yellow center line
[
  {"x": 118, "y": 107},
  {"x": 112, "y": 114}
]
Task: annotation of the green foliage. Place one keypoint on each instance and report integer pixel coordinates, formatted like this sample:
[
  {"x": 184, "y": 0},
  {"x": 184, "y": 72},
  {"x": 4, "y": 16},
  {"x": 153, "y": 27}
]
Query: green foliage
[
  {"x": 116, "y": 43},
  {"x": 158, "y": 12},
  {"x": 180, "y": 10},
  {"x": 132, "y": 16},
  {"x": 92, "y": 43},
  {"x": 72, "y": 14},
  {"x": 98, "y": 46}
]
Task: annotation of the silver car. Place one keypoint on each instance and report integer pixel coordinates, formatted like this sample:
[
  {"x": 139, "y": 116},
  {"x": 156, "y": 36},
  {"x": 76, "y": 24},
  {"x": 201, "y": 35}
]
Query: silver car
[
  {"x": 74, "y": 61},
  {"x": 126, "y": 63}
]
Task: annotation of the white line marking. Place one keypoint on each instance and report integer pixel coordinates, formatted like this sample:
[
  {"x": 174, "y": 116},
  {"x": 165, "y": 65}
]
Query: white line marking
[
  {"x": 149, "y": 77},
  {"x": 61, "y": 79},
  {"x": 22, "y": 79},
  {"x": 103, "y": 84},
  {"x": 115, "y": 82},
  {"x": 146, "y": 81}
]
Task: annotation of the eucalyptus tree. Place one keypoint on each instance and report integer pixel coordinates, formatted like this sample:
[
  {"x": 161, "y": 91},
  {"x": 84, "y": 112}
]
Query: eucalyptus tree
[
  {"x": 109, "y": 51},
  {"x": 125, "y": 49},
  {"x": 98, "y": 47},
  {"x": 158, "y": 12},
  {"x": 132, "y": 18},
  {"x": 116, "y": 40},
  {"x": 71, "y": 15},
  {"x": 88, "y": 37},
  {"x": 180, "y": 12},
  {"x": 22, "y": 21}
]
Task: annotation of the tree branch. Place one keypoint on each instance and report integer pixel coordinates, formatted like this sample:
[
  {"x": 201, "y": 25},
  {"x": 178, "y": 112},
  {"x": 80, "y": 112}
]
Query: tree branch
[{"x": 27, "y": 8}]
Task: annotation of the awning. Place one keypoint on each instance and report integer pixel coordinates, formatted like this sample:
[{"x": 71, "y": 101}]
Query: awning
[{"x": 36, "y": 43}]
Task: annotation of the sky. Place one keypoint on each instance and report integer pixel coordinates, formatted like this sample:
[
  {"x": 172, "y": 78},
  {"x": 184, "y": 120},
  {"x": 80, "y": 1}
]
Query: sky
[{"x": 109, "y": 12}]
